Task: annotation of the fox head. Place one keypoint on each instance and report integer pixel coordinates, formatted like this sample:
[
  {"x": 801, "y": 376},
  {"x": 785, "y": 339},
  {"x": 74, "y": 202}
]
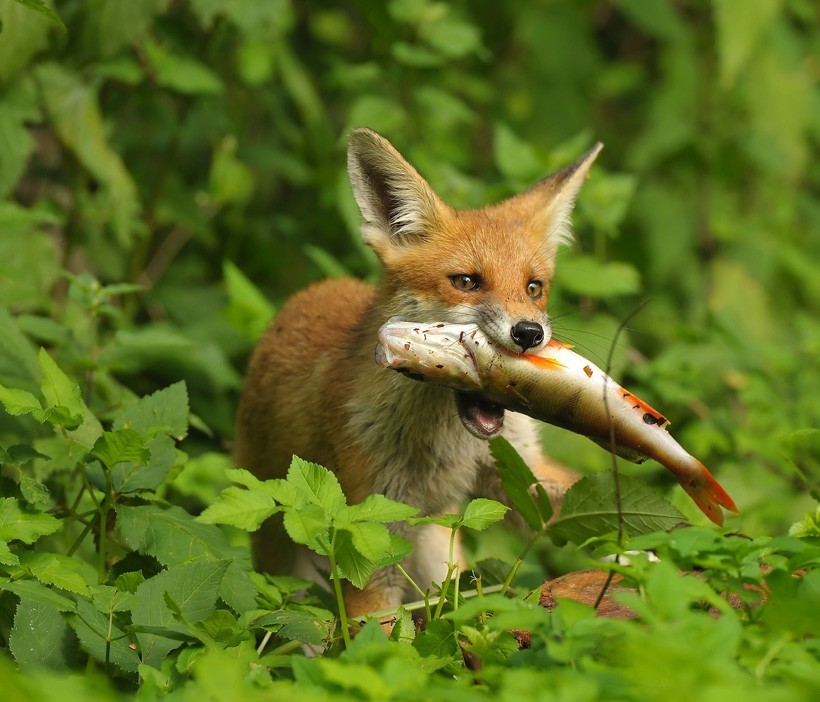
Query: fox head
[{"x": 491, "y": 266}]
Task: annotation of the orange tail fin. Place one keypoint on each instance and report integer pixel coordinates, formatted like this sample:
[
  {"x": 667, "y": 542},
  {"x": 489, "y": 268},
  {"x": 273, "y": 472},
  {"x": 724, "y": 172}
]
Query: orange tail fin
[{"x": 708, "y": 494}]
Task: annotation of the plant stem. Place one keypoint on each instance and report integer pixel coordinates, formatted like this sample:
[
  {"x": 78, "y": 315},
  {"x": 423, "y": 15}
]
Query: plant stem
[
  {"x": 424, "y": 595},
  {"x": 520, "y": 559},
  {"x": 337, "y": 587}
]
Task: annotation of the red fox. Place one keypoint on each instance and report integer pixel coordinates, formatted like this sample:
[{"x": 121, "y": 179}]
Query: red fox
[{"x": 313, "y": 389}]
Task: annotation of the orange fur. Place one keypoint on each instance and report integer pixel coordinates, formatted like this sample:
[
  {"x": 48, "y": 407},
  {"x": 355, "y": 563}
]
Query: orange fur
[{"x": 313, "y": 389}]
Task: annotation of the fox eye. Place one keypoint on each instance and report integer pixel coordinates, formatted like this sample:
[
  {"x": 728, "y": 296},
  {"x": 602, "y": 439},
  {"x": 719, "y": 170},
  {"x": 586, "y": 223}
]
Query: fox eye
[
  {"x": 467, "y": 283},
  {"x": 535, "y": 289}
]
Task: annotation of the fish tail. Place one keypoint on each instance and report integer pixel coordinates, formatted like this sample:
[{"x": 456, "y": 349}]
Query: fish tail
[{"x": 707, "y": 492}]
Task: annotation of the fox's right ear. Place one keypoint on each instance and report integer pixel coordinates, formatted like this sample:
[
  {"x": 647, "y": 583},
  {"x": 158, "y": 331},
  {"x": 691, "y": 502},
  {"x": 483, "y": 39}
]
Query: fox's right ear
[{"x": 398, "y": 206}]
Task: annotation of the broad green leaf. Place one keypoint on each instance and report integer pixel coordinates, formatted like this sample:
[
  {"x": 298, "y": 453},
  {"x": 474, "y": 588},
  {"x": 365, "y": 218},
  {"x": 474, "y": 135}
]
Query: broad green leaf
[
  {"x": 308, "y": 525},
  {"x": 75, "y": 115},
  {"x": 450, "y": 521},
  {"x": 583, "y": 275},
  {"x": 132, "y": 476},
  {"x": 165, "y": 410},
  {"x": 315, "y": 485},
  {"x": 481, "y": 513},
  {"x": 397, "y": 551},
  {"x": 112, "y": 26},
  {"x": 24, "y": 525},
  {"x": 248, "y": 309},
  {"x": 17, "y": 105},
  {"x": 438, "y": 640},
  {"x": 353, "y": 566},
  {"x": 173, "y": 536},
  {"x": 100, "y": 636},
  {"x": 41, "y": 638},
  {"x": 7, "y": 558},
  {"x": 378, "y": 508},
  {"x": 58, "y": 570},
  {"x": 516, "y": 159},
  {"x": 33, "y": 491},
  {"x": 589, "y": 509},
  {"x": 25, "y": 33},
  {"x": 369, "y": 539},
  {"x": 34, "y": 591},
  {"x": 296, "y": 625},
  {"x": 107, "y": 598},
  {"x": 807, "y": 527},
  {"x": 230, "y": 181},
  {"x": 19, "y": 366},
  {"x": 194, "y": 587},
  {"x": 41, "y": 7},
  {"x": 119, "y": 446},
  {"x": 59, "y": 390},
  {"x": 739, "y": 35},
  {"x": 182, "y": 74},
  {"x": 517, "y": 479},
  {"x": 19, "y": 402},
  {"x": 244, "y": 509}
]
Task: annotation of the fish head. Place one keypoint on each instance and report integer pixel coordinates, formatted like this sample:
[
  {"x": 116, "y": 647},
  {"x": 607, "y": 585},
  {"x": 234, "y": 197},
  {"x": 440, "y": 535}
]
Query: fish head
[{"x": 434, "y": 352}]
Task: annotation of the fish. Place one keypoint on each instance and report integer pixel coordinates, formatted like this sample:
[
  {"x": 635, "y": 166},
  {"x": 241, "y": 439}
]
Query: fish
[{"x": 555, "y": 385}]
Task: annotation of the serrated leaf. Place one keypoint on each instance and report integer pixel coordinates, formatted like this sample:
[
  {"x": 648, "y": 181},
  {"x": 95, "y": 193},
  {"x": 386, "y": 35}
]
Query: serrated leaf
[
  {"x": 397, "y": 551},
  {"x": 308, "y": 525},
  {"x": 449, "y": 521},
  {"x": 516, "y": 479},
  {"x": 107, "y": 598},
  {"x": 378, "y": 508},
  {"x": 60, "y": 391},
  {"x": 173, "y": 536},
  {"x": 165, "y": 410},
  {"x": 194, "y": 587},
  {"x": 315, "y": 485},
  {"x": 37, "y": 592},
  {"x": 438, "y": 640},
  {"x": 58, "y": 570},
  {"x": 22, "y": 525},
  {"x": 7, "y": 558},
  {"x": 130, "y": 477},
  {"x": 244, "y": 509},
  {"x": 101, "y": 637},
  {"x": 589, "y": 509},
  {"x": 481, "y": 513},
  {"x": 119, "y": 446},
  {"x": 19, "y": 402},
  {"x": 296, "y": 625},
  {"x": 353, "y": 566},
  {"x": 33, "y": 491},
  {"x": 369, "y": 539},
  {"x": 41, "y": 637}
]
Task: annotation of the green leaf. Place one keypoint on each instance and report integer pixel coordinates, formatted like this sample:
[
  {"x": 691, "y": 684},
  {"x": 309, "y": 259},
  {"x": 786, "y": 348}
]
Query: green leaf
[
  {"x": 41, "y": 638},
  {"x": 517, "y": 479},
  {"x": 515, "y": 158},
  {"x": 194, "y": 587},
  {"x": 244, "y": 509},
  {"x": 121, "y": 445},
  {"x": 112, "y": 26},
  {"x": 25, "y": 33},
  {"x": 739, "y": 35},
  {"x": 75, "y": 115},
  {"x": 481, "y": 513},
  {"x": 60, "y": 391},
  {"x": 369, "y": 539},
  {"x": 589, "y": 509},
  {"x": 58, "y": 570},
  {"x": 33, "y": 491},
  {"x": 296, "y": 625},
  {"x": 173, "y": 536},
  {"x": 584, "y": 275},
  {"x": 248, "y": 309},
  {"x": 45, "y": 10},
  {"x": 128, "y": 477},
  {"x": 378, "y": 508},
  {"x": 19, "y": 402},
  {"x": 182, "y": 74},
  {"x": 34, "y": 591},
  {"x": 100, "y": 636},
  {"x": 308, "y": 525},
  {"x": 22, "y": 525},
  {"x": 438, "y": 640},
  {"x": 165, "y": 410},
  {"x": 315, "y": 485},
  {"x": 353, "y": 566}
]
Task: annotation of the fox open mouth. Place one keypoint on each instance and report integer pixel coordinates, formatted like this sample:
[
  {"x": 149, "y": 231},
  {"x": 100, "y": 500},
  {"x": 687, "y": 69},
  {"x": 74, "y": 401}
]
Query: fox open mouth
[{"x": 482, "y": 418}]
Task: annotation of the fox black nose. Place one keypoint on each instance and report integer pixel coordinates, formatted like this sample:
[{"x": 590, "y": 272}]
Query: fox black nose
[{"x": 527, "y": 334}]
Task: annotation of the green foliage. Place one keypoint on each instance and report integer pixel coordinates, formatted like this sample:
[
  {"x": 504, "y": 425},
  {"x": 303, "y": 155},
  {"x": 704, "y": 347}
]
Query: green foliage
[{"x": 167, "y": 168}]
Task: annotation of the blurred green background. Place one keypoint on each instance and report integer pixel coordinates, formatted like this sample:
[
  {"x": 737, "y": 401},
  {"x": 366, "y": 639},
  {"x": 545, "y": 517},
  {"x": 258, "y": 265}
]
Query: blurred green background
[{"x": 195, "y": 148}]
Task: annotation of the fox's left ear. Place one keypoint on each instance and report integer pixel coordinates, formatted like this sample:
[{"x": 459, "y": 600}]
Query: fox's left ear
[{"x": 553, "y": 198}]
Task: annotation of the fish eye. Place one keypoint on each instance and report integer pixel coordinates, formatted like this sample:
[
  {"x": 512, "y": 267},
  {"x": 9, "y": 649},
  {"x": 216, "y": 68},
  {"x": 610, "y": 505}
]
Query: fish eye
[
  {"x": 535, "y": 288},
  {"x": 465, "y": 282}
]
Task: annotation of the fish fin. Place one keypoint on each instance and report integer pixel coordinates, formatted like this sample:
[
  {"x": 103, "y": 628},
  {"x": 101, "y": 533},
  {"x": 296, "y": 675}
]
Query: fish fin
[{"x": 708, "y": 494}]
